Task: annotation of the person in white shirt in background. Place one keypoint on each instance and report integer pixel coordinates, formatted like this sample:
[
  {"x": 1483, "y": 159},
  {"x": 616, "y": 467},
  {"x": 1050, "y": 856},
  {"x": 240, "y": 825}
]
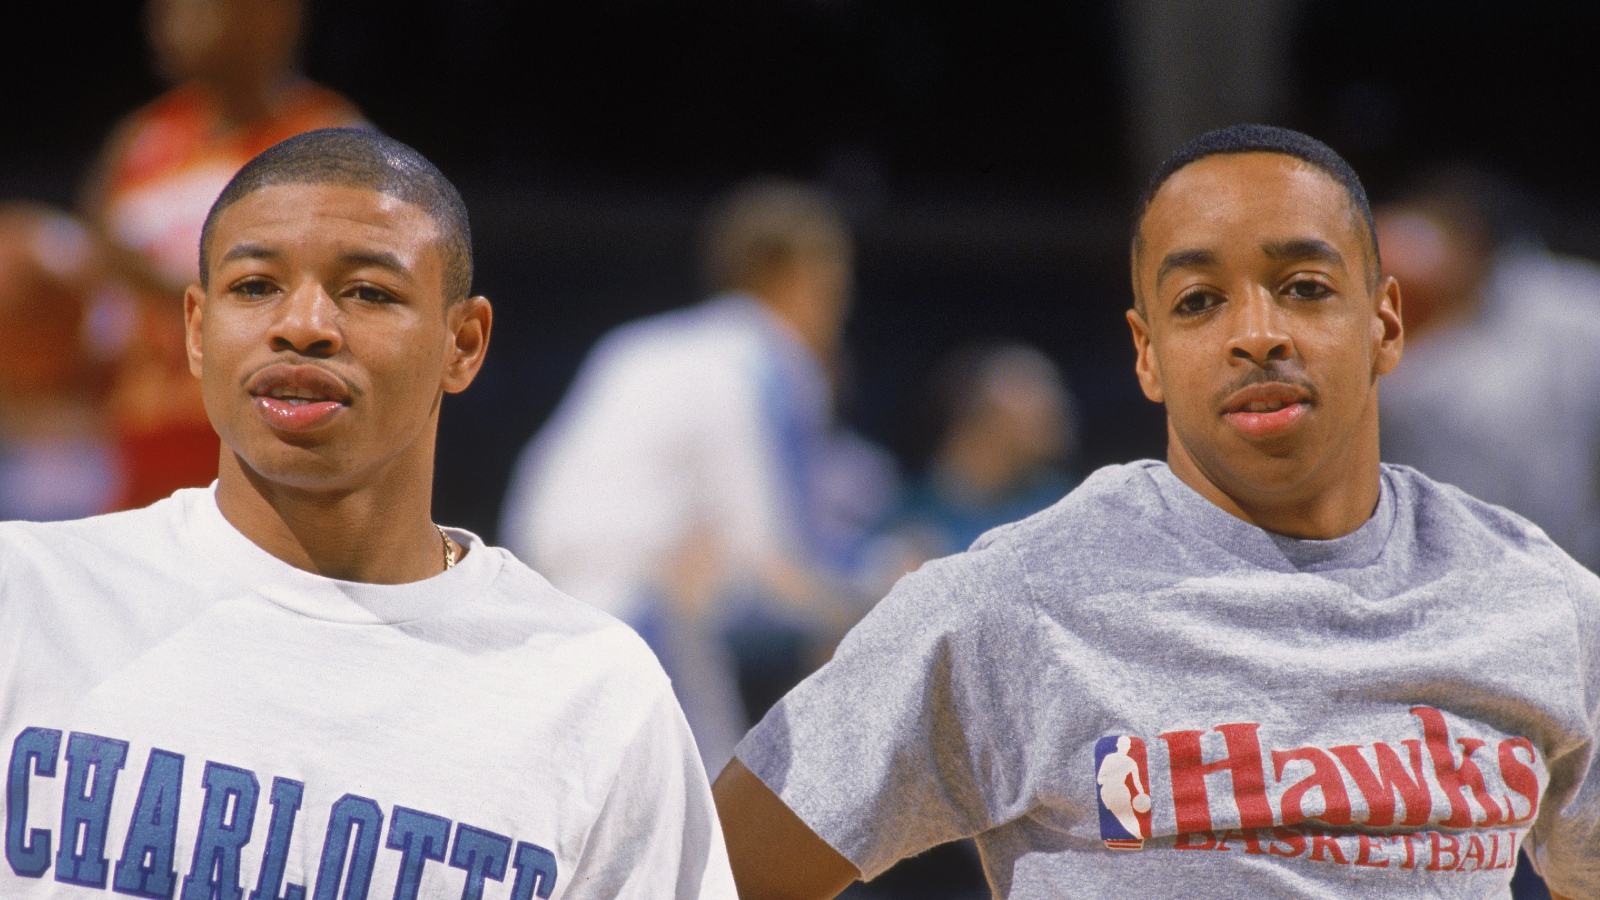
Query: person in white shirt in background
[
  {"x": 694, "y": 480},
  {"x": 1500, "y": 394}
]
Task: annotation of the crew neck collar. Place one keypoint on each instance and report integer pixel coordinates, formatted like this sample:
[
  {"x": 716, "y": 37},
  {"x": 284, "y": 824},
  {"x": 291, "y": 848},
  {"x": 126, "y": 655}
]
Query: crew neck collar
[
  {"x": 1270, "y": 549},
  {"x": 238, "y": 560}
]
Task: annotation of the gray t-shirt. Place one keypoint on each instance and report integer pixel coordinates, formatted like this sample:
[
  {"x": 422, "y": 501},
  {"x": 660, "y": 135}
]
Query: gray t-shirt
[{"x": 1136, "y": 694}]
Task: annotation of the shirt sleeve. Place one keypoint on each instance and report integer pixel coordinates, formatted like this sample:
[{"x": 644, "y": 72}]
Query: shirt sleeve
[
  {"x": 1565, "y": 843},
  {"x": 657, "y": 835},
  {"x": 913, "y": 734}
]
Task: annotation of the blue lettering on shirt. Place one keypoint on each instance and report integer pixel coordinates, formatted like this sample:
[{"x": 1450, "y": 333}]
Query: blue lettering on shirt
[
  {"x": 28, "y": 852},
  {"x": 146, "y": 868},
  {"x": 286, "y": 794},
  {"x": 364, "y": 818},
  {"x": 225, "y": 824},
  {"x": 536, "y": 872},
  {"x": 82, "y": 856},
  {"x": 483, "y": 854}
]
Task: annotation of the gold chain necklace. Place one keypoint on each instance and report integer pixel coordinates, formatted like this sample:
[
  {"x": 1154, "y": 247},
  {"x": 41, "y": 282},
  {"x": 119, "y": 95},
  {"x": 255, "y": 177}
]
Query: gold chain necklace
[{"x": 449, "y": 554}]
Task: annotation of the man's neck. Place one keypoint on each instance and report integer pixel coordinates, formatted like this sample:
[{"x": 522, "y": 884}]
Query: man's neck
[
  {"x": 1315, "y": 508},
  {"x": 367, "y": 534}
]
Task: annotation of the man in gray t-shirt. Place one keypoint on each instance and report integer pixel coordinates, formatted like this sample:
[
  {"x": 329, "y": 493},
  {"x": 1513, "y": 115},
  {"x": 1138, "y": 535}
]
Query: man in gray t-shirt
[{"x": 1270, "y": 666}]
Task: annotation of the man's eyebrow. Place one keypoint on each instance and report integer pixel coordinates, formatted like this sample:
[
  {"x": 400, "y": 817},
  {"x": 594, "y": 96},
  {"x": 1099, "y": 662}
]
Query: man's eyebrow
[
  {"x": 250, "y": 251},
  {"x": 379, "y": 258},
  {"x": 350, "y": 259},
  {"x": 1302, "y": 249},
  {"x": 1183, "y": 259}
]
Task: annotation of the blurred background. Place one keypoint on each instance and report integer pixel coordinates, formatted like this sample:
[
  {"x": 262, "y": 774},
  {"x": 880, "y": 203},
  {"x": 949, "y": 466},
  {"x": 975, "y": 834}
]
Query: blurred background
[
  {"x": 985, "y": 157},
  {"x": 987, "y": 154}
]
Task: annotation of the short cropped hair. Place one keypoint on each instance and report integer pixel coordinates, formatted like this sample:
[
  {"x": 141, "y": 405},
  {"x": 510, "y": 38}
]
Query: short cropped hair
[
  {"x": 1266, "y": 139},
  {"x": 357, "y": 157},
  {"x": 763, "y": 226}
]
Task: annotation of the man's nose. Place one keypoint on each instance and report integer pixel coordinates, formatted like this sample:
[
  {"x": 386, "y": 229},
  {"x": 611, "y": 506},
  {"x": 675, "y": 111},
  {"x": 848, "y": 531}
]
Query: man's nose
[
  {"x": 1260, "y": 332},
  {"x": 308, "y": 323}
]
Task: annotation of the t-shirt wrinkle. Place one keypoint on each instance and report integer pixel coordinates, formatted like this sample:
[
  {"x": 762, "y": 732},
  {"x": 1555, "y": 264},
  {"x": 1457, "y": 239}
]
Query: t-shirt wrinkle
[
  {"x": 490, "y": 714},
  {"x": 1136, "y": 641}
]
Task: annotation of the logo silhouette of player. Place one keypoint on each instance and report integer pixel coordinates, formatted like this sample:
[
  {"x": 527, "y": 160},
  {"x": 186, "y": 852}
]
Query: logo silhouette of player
[{"x": 1120, "y": 788}]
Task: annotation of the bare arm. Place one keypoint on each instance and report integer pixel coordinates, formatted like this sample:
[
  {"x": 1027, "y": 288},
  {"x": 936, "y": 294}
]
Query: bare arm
[{"x": 775, "y": 855}]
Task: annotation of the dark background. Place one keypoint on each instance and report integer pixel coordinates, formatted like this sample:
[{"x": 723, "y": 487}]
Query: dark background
[{"x": 984, "y": 151}]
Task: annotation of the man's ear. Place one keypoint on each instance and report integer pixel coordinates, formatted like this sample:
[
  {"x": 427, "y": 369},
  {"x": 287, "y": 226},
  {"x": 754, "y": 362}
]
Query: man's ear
[
  {"x": 194, "y": 313},
  {"x": 1144, "y": 364},
  {"x": 1388, "y": 329},
  {"x": 469, "y": 322}
]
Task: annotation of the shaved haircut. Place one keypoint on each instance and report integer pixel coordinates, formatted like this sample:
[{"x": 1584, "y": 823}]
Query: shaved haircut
[
  {"x": 1266, "y": 139},
  {"x": 356, "y": 157}
]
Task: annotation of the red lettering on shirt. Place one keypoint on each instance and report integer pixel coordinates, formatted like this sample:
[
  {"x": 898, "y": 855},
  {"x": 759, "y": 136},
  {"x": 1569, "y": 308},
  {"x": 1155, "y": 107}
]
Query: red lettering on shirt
[
  {"x": 1520, "y": 777},
  {"x": 1243, "y": 763},
  {"x": 1436, "y": 842},
  {"x": 1364, "y": 845},
  {"x": 1324, "y": 777},
  {"x": 1392, "y": 777},
  {"x": 1475, "y": 850},
  {"x": 1289, "y": 837},
  {"x": 1454, "y": 778},
  {"x": 1250, "y": 836},
  {"x": 1323, "y": 841},
  {"x": 1411, "y": 852}
]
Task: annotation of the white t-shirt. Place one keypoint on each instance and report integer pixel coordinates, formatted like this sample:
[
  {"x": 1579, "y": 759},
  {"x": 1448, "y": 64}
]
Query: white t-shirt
[
  {"x": 665, "y": 431},
  {"x": 710, "y": 426},
  {"x": 181, "y": 709}
]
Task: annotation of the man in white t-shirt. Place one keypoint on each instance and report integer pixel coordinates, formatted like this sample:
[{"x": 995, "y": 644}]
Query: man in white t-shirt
[
  {"x": 695, "y": 481},
  {"x": 1299, "y": 672},
  {"x": 294, "y": 683}
]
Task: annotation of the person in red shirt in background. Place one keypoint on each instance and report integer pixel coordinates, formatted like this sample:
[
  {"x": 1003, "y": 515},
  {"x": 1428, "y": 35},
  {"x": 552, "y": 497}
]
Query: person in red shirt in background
[
  {"x": 54, "y": 459},
  {"x": 236, "y": 92}
]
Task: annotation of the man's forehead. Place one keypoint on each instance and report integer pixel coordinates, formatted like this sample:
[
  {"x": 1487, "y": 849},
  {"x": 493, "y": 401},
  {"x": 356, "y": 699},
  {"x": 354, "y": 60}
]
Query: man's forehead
[
  {"x": 282, "y": 200},
  {"x": 1227, "y": 196},
  {"x": 333, "y": 213}
]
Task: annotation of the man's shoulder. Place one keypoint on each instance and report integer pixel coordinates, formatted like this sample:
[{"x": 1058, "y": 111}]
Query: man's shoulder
[
  {"x": 1089, "y": 541},
  {"x": 1445, "y": 515},
  {"x": 1455, "y": 528},
  {"x": 134, "y": 532},
  {"x": 545, "y": 618},
  {"x": 1114, "y": 504}
]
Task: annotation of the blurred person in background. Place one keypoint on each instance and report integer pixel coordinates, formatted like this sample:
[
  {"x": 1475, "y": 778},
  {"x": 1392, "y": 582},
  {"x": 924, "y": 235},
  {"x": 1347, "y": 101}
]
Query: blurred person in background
[
  {"x": 236, "y": 92},
  {"x": 1500, "y": 393},
  {"x": 999, "y": 425},
  {"x": 695, "y": 482},
  {"x": 54, "y": 460}
]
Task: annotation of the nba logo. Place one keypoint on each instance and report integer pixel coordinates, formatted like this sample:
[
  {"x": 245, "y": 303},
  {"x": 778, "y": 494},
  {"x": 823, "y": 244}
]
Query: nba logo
[{"x": 1124, "y": 794}]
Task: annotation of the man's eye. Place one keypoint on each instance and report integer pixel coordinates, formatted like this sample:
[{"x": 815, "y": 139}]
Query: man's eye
[
  {"x": 368, "y": 294},
  {"x": 1307, "y": 289},
  {"x": 1197, "y": 302},
  {"x": 254, "y": 287}
]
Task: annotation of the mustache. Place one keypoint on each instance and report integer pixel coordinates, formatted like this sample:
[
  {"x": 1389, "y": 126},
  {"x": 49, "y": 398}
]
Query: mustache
[
  {"x": 1254, "y": 376},
  {"x": 349, "y": 390}
]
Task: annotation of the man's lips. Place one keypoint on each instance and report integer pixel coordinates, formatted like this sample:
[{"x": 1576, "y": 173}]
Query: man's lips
[
  {"x": 1266, "y": 410},
  {"x": 297, "y": 398}
]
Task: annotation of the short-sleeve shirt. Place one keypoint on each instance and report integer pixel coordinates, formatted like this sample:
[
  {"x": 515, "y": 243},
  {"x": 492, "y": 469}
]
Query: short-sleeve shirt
[
  {"x": 185, "y": 715},
  {"x": 1136, "y": 694}
]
